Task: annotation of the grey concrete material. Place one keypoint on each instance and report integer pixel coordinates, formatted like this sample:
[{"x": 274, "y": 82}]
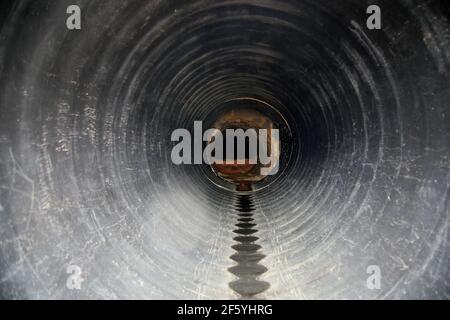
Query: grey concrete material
[{"x": 85, "y": 171}]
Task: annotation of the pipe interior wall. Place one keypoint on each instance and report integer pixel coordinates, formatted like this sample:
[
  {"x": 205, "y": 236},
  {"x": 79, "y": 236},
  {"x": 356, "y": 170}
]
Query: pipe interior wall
[{"x": 86, "y": 176}]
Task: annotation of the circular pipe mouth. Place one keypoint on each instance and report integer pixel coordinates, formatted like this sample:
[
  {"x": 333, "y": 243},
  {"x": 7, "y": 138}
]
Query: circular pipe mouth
[
  {"x": 86, "y": 177},
  {"x": 245, "y": 129},
  {"x": 255, "y": 113}
]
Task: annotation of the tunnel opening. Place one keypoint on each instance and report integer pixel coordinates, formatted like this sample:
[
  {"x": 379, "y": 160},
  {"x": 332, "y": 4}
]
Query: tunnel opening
[{"x": 245, "y": 140}]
